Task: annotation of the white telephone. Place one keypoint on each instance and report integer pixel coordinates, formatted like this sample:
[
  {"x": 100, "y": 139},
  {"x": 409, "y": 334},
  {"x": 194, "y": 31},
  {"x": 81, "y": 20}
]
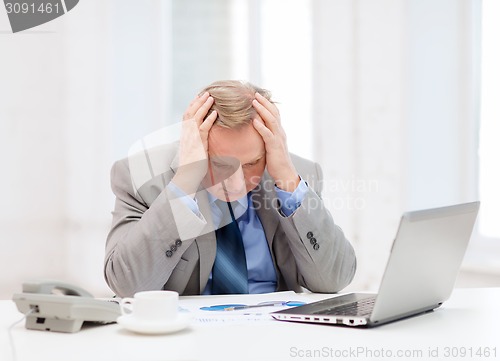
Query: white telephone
[{"x": 57, "y": 306}]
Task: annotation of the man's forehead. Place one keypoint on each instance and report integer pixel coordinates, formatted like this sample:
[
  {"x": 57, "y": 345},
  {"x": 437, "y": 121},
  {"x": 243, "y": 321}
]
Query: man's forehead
[
  {"x": 224, "y": 159},
  {"x": 238, "y": 143}
]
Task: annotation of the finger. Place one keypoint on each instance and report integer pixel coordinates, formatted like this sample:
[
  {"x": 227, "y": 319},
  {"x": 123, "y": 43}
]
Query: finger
[
  {"x": 268, "y": 118},
  {"x": 208, "y": 123},
  {"x": 272, "y": 108},
  {"x": 202, "y": 111},
  {"x": 195, "y": 104},
  {"x": 264, "y": 132}
]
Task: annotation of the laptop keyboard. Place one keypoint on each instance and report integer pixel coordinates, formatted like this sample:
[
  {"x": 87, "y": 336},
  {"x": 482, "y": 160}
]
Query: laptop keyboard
[{"x": 362, "y": 307}]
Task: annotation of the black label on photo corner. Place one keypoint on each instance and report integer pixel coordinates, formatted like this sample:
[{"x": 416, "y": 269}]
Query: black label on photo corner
[{"x": 26, "y": 14}]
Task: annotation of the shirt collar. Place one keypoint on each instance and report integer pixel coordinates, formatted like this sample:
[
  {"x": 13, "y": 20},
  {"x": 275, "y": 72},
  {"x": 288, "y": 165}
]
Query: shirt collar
[{"x": 240, "y": 207}]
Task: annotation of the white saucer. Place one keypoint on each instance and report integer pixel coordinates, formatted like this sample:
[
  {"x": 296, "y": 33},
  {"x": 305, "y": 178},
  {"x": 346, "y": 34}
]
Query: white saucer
[{"x": 131, "y": 323}]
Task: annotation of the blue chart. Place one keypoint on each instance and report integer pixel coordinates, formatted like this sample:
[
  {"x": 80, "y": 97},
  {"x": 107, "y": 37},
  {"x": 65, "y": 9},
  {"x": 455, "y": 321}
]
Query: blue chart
[{"x": 27, "y": 14}]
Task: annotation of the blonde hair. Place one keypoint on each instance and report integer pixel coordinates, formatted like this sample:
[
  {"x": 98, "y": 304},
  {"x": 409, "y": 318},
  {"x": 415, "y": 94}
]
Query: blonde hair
[{"x": 233, "y": 102}]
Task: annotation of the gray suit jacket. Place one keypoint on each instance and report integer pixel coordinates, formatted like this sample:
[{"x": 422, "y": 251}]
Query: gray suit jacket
[{"x": 307, "y": 248}]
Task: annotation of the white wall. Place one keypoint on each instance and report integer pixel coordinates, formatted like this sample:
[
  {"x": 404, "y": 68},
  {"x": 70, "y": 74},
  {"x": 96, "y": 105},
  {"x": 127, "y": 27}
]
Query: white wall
[
  {"x": 32, "y": 215},
  {"x": 395, "y": 115},
  {"x": 75, "y": 93},
  {"x": 392, "y": 100}
]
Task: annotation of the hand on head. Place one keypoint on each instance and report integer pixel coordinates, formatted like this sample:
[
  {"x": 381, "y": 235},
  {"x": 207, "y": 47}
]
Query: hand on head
[
  {"x": 268, "y": 124},
  {"x": 193, "y": 147},
  {"x": 194, "y": 144}
]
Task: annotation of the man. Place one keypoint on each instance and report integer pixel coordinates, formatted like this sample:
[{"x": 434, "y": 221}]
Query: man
[{"x": 231, "y": 212}]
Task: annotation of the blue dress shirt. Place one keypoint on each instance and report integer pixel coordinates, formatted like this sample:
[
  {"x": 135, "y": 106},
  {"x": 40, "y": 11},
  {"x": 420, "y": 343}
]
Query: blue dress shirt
[{"x": 261, "y": 272}]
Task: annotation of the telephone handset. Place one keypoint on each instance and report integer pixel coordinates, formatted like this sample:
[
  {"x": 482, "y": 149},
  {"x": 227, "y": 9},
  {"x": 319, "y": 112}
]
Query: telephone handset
[
  {"x": 54, "y": 287},
  {"x": 52, "y": 305}
]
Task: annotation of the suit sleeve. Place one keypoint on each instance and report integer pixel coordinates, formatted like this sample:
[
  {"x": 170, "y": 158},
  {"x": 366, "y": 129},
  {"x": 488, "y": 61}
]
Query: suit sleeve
[
  {"x": 146, "y": 241},
  {"x": 325, "y": 259}
]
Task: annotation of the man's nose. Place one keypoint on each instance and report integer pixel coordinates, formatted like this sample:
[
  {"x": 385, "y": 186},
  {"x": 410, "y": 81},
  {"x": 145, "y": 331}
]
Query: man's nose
[{"x": 236, "y": 180}]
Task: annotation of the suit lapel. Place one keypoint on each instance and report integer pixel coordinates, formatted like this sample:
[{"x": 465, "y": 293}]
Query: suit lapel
[
  {"x": 263, "y": 198},
  {"x": 207, "y": 244},
  {"x": 206, "y": 241}
]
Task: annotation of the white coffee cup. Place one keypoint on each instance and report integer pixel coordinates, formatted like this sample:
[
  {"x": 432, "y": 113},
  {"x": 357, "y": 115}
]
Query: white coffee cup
[{"x": 151, "y": 306}]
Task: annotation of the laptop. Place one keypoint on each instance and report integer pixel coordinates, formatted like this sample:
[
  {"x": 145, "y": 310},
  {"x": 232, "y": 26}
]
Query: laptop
[{"x": 420, "y": 273}]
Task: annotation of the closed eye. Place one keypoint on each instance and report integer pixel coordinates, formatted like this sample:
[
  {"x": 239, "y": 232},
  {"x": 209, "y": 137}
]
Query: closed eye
[
  {"x": 249, "y": 165},
  {"x": 222, "y": 166}
]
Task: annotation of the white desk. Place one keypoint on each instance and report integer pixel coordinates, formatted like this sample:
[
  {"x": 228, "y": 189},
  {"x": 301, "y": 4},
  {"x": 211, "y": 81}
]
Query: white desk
[{"x": 467, "y": 323}]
